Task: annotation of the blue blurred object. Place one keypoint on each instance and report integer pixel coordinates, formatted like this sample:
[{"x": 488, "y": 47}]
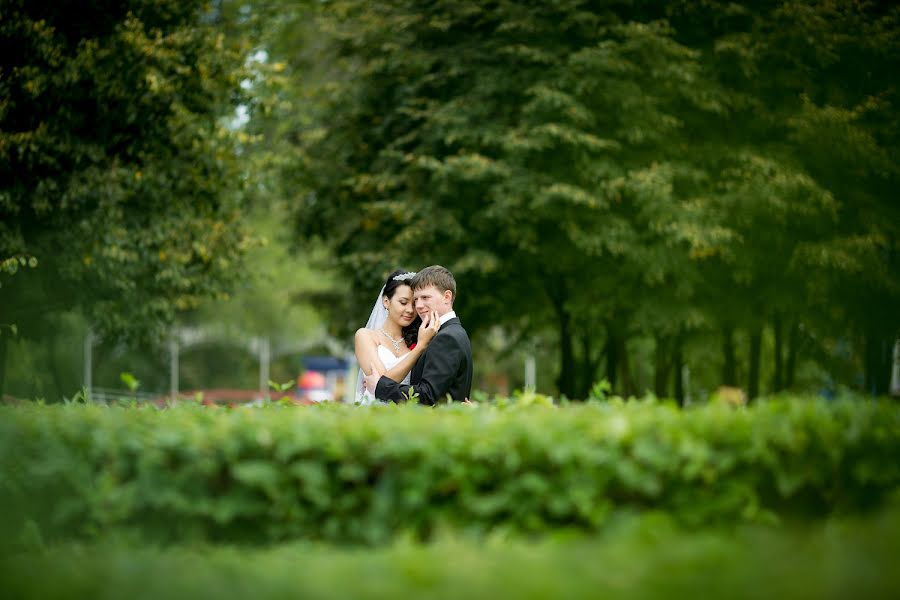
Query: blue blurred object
[
  {"x": 829, "y": 390},
  {"x": 324, "y": 364}
]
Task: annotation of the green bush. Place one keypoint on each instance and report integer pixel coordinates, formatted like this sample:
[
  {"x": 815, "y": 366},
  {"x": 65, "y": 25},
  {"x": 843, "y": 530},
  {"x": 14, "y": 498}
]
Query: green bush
[
  {"x": 346, "y": 474},
  {"x": 637, "y": 558}
]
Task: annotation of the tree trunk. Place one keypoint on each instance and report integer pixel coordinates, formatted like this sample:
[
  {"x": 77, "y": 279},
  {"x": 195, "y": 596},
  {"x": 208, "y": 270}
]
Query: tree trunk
[
  {"x": 755, "y": 351},
  {"x": 566, "y": 381},
  {"x": 558, "y": 298},
  {"x": 4, "y": 339},
  {"x": 612, "y": 357},
  {"x": 588, "y": 365},
  {"x": 878, "y": 363},
  {"x": 729, "y": 368},
  {"x": 778, "y": 379},
  {"x": 617, "y": 367},
  {"x": 678, "y": 361},
  {"x": 53, "y": 363},
  {"x": 630, "y": 389},
  {"x": 869, "y": 364},
  {"x": 662, "y": 368},
  {"x": 790, "y": 364},
  {"x": 591, "y": 365}
]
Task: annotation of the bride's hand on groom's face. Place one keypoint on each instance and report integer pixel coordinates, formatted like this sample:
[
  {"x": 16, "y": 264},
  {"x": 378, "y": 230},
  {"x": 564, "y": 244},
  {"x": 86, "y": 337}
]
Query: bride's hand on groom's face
[{"x": 428, "y": 328}]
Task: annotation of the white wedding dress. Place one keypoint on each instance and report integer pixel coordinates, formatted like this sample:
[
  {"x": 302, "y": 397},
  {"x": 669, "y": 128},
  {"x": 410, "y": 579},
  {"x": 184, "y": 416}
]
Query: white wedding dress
[{"x": 363, "y": 396}]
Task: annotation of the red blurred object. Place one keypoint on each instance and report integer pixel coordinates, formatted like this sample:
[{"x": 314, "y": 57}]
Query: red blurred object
[{"x": 311, "y": 380}]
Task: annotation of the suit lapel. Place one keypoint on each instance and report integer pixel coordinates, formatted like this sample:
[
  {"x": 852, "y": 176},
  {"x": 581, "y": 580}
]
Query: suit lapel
[{"x": 416, "y": 375}]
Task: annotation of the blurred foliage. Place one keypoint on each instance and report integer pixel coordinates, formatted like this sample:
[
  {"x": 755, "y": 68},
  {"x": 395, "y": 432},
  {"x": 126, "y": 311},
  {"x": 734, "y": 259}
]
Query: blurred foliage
[
  {"x": 118, "y": 171},
  {"x": 692, "y": 174},
  {"x": 645, "y": 557},
  {"x": 281, "y": 298},
  {"x": 348, "y": 475},
  {"x": 670, "y": 196},
  {"x": 127, "y": 173},
  {"x": 275, "y": 298}
]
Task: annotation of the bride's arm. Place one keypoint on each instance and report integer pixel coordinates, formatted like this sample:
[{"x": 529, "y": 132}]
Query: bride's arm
[
  {"x": 367, "y": 352},
  {"x": 405, "y": 364},
  {"x": 427, "y": 331}
]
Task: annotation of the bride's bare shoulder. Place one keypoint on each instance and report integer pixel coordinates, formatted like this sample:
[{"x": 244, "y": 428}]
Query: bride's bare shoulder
[{"x": 363, "y": 334}]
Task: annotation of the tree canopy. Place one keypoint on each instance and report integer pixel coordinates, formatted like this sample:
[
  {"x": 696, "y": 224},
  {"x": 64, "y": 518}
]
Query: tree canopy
[
  {"x": 638, "y": 187},
  {"x": 618, "y": 170},
  {"x": 119, "y": 173}
]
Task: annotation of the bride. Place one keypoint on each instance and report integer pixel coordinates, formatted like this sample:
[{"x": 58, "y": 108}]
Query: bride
[{"x": 394, "y": 337}]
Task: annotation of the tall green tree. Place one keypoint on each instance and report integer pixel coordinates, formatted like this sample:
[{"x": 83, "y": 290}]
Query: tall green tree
[
  {"x": 816, "y": 233},
  {"x": 674, "y": 171},
  {"x": 118, "y": 169},
  {"x": 519, "y": 145}
]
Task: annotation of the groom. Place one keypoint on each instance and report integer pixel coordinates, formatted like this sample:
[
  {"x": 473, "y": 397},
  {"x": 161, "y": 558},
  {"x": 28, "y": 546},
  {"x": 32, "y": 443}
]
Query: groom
[{"x": 446, "y": 366}]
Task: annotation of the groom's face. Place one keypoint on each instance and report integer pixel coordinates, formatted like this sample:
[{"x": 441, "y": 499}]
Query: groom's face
[{"x": 429, "y": 299}]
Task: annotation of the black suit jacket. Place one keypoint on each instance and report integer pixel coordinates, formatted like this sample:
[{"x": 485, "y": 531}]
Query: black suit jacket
[{"x": 444, "y": 368}]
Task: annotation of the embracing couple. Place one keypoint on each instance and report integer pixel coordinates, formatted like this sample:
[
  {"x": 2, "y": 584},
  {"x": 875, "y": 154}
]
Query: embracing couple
[{"x": 413, "y": 344}]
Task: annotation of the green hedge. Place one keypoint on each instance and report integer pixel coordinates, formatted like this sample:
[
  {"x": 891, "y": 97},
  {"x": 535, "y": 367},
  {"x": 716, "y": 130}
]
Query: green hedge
[
  {"x": 638, "y": 558},
  {"x": 345, "y": 474}
]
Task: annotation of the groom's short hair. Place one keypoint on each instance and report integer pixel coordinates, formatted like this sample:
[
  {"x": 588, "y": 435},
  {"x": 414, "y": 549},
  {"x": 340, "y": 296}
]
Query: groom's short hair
[{"x": 439, "y": 277}]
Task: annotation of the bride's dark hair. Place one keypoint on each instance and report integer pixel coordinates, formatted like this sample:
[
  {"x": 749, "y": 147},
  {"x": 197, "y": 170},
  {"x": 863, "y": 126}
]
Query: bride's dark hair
[{"x": 410, "y": 332}]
